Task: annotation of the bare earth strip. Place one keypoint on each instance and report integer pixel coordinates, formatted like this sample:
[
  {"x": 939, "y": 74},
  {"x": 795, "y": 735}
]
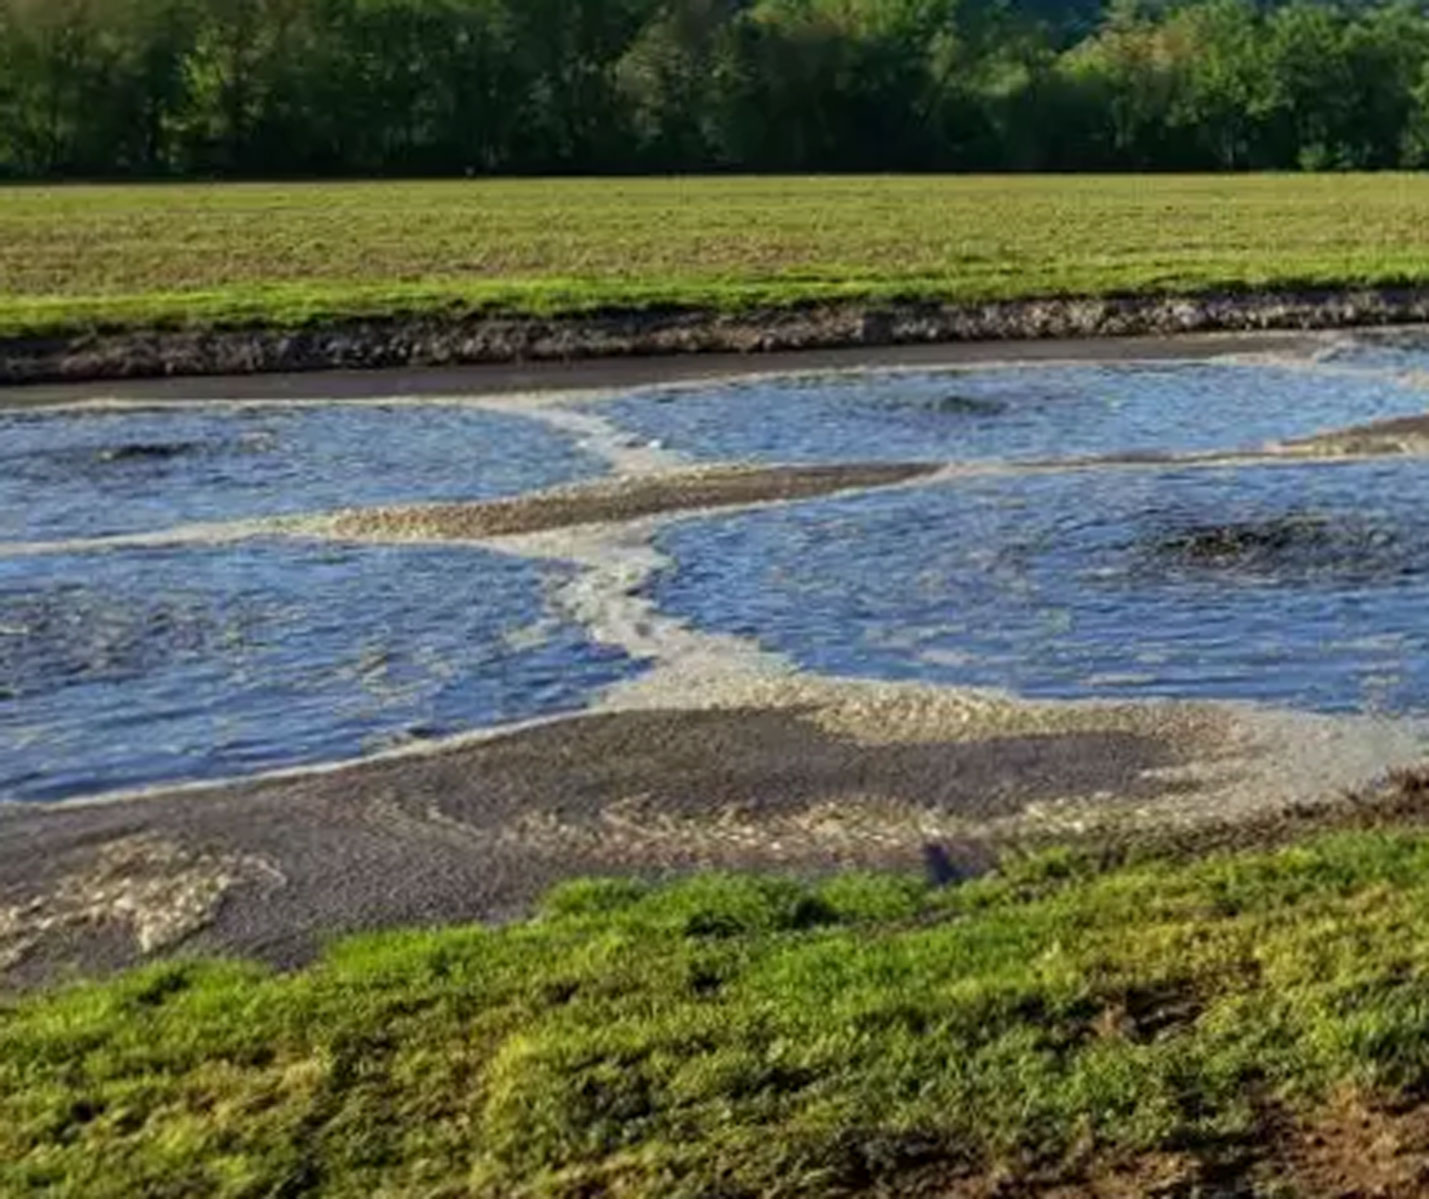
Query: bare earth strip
[
  {"x": 1401, "y": 435},
  {"x": 437, "y": 342},
  {"x": 546, "y": 376},
  {"x": 789, "y": 774},
  {"x": 619, "y": 500}
]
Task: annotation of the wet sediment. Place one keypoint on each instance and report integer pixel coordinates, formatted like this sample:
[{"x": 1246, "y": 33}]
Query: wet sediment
[
  {"x": 790, "y": 774},
  {"x": 634, "y": 497},
  {"x": 1408, "y": 435},
  {"x": 622, "y": 499}
]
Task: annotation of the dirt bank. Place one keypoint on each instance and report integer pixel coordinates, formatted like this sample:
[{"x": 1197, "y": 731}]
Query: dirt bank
[
  {"x": 478, "y": 832},
  {"x": 435, "y": 341}
]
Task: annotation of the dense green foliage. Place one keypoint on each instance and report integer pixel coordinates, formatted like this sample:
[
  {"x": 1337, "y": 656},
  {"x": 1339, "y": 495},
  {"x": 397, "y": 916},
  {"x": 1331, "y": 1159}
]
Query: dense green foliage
[
  {"x": 264, "y": 87},
  {"x": 738, "y": 1036},
  {"x": 135, "y": 256}
]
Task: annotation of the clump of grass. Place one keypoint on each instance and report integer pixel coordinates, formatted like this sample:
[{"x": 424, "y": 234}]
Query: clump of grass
[{"x": 749, "y": 1036}]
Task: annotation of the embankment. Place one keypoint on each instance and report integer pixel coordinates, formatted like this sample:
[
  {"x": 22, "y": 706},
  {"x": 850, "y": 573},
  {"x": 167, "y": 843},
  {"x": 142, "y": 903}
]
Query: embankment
[{"x": 427, "y": 341}]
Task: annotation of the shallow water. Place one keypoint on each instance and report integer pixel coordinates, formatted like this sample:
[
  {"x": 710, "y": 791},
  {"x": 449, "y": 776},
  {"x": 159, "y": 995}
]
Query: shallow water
[
  {"x": 133, "y": 667},
  {"x": 1296, "y": 583},
  {"x": 1384, "y": 350},
  {"x": 1092, "y": 583},
  {"x": 67, "y": 474},
  {"x": 1014, "y": 413}
]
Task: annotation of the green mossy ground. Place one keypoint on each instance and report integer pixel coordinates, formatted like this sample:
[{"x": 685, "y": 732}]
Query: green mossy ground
[{"x": 743, "y": 1036}]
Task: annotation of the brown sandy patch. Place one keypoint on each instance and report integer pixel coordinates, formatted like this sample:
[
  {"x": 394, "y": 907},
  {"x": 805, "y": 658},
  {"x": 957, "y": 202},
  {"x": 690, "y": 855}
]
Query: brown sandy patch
[
  {"x": 741, "y": 786},
  {"x": 610, "y": 500},
  {"x": 479, "y": 830},
  {"x": 890, "y": 714}
]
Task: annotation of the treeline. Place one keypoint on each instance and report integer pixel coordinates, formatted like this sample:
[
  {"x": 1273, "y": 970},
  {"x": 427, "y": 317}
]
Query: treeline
[{"x": 103, "y": 88}]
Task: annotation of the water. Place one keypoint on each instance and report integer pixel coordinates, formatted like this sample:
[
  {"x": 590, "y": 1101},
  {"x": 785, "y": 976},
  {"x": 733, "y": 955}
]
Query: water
[
  {"x": 143, "y": 666},
  {"x": 66, "y": 474},
  {"x": 1301, "y": 585},
  {"x": 1387, "y": 349},
  {"x": 1009, "y": 413}
]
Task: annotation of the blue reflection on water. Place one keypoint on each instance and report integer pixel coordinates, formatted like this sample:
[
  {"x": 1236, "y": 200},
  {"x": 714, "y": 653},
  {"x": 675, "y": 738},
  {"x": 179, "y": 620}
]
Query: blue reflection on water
[
  {"x": 1095, "y": 583},
  {"x": 1014, "y": 412},
  {"x": 1384, "y": 349},
  {"x": 142, "y": 666},
  {"x": 72, "y": 473}
]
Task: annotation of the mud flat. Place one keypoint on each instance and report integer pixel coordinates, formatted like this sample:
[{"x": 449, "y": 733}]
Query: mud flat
[
  {"x": 1407, "y": 435},
  {"x": 618, "y": 500},
  {"x": 794, "y": 774}
]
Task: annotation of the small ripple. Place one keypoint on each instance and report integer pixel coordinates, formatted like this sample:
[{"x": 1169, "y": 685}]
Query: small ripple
[
  {"x": 84, "y": 473},
  {"x": 1023, "y": 413},
  {"x": 150, "y": 665},
  {"x": 1294, "y": 586}
]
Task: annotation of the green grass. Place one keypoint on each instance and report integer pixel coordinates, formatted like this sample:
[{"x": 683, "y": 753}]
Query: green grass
[
  {"x": 731, "y": 1036},
  {"x": 225, "y": 254}
]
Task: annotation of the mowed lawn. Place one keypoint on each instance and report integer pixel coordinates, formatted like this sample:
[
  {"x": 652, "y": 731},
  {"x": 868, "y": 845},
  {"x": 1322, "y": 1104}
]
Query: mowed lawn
[
  {"x": 117, "y": 256},
  {"x": 1257, "y": 1020}
]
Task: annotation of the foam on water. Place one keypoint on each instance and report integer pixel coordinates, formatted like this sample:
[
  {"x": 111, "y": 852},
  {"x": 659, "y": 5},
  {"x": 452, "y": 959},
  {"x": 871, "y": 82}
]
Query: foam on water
[
  {"x": 1382, "y": 350},
  {"x": 154, "y": 629}
]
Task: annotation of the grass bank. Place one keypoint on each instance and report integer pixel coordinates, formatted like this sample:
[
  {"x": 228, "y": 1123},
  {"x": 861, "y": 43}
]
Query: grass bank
[
  {"x": 129, "y": 257},
  {"x": 1254, "y": 1020}
]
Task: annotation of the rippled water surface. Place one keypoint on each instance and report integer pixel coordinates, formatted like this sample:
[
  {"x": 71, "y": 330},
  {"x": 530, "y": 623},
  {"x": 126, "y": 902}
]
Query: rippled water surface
[
  {"x": 1305, "y": 585},
  {"x": 1016, "y": 412},
  {"x": 141, "y": 666},
  {"x": 72, "y": 473},
  {"x": 1388, "y": 349}
]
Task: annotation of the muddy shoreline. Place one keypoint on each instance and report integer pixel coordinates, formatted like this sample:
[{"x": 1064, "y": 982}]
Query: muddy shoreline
[
  {"x": 801, "y": 776},
  {"x": 605, "y": 501},
  {"x": 793, "y": 774},
  {"x": 423, "y": 342}
]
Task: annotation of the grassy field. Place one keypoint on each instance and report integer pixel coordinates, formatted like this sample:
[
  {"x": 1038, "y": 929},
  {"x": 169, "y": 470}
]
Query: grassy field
[
  {"x": 84, "y": 256},
  {"x": 1260, "y": 1016}
]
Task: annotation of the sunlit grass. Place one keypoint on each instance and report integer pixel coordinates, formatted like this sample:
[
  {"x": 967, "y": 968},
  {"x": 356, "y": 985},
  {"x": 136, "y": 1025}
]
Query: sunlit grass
[
  {"x": 736, "y": 1036},
  {"x": 289, "y": 254}
]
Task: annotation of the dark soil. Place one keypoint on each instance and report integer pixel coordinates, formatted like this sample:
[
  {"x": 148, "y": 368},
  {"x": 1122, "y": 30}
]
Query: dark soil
[{"x": 438, "y": 341}]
